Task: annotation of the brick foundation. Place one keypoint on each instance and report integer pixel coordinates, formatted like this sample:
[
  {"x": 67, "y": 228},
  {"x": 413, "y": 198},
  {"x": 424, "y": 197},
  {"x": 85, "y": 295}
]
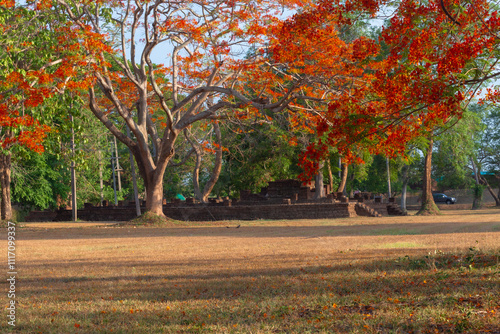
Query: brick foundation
[{"x": 210, "y": 212}]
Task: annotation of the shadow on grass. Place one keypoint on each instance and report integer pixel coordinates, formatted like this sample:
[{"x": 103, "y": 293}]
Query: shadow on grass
[
  {"x": 225, "y": 280},
  {"x": 345, "y": 296},
  {"x": 364, "y": 229}
]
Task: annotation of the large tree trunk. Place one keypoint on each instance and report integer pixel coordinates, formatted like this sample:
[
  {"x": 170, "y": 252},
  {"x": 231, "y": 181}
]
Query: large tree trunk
[
  {"x": 343, "y": 179},
  {"x": 153, "y": 175},
  {"x": 428, "y": 207},
  {"x": 5, "y": 172},
  {"x": 154, "y": 190}
]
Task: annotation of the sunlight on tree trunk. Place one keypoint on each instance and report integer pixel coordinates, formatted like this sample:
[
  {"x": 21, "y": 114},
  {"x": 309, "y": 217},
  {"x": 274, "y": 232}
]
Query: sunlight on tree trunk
[
  {"x": 154, "y": 204},
  {"x": 5, "y": 172},
  {"x": 318, "y": 183},
  {"x": 496, "y": 197},
  {"x": 428, "y": 207},
  {"x": 343, "y": 179},
  {"x": 330, "y": 174}
]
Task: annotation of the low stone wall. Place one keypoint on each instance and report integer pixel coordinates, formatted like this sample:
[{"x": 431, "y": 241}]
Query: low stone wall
[
  {"x": 210, "y": 212},
  {"x": 462, "y": 196},
  {"x": 467, "y": 206},
  {"x": 254, "y": 212}
]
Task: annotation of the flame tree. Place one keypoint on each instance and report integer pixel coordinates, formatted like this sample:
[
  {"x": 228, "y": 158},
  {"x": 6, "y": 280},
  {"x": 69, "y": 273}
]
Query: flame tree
[
  {"x": 436, "y": 57},
  {"x": 204, "y": 71}
]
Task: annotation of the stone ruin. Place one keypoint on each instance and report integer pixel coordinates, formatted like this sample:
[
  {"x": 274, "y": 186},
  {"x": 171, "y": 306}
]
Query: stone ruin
[{"x": 282, "y": 199}]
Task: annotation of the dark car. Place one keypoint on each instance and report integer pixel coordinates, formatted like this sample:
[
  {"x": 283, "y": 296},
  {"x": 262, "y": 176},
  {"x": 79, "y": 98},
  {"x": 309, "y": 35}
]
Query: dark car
[{"x": 442, "y": 198}]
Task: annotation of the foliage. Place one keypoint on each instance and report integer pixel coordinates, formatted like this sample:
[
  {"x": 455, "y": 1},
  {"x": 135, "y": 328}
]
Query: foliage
[
  {"x": 38, "y": 181},
  {"x": 259, "y": 153},
  {"x": 489, "y": 145},
  {"x": 37, "y": 62},
  {"x": 207, "y": 78},
  {"x": 417, "y": 87},
  {"x": 478, "y": 191},
  {"x": 42, "y": 181},
  {"x": 316, "y": 83},
  {"x": 456, "y": 148},
  {"x": 35, "y": 65}
]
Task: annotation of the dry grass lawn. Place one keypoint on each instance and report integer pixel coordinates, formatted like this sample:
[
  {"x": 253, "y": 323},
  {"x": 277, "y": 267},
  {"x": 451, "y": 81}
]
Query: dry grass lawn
[{"x": 360, "y": 275}]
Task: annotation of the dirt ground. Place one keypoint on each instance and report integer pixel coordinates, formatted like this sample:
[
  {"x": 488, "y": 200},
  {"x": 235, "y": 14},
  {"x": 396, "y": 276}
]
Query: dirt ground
[
  {"x": 453, "y": 229},
  {"x": 95, "y": 277}
]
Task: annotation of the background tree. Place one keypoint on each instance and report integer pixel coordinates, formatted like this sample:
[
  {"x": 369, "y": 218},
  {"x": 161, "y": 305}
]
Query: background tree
[
  {"x": 488, "y": 148},
  {"x": 259, "y": 151},
  {"x": 201, "y": 149},
  {"x": 34, "y": 49},
  {"x": 457, "y": 151}
]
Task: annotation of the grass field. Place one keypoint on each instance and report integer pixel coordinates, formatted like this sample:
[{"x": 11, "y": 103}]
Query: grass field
[{"x": 359, "y": 275}]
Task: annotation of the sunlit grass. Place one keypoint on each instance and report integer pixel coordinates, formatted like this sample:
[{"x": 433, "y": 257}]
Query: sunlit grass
[
  {"x": 262, "y": 278},
  {"x": 399, "y": 245}
]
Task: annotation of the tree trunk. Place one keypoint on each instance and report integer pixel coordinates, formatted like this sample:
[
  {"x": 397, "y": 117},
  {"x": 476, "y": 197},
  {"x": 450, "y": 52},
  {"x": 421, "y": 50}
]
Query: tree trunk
[
  {"x": 478, "y": 197},
  {"x": 497, "y": 197},
  {"x": 153, "y": 176},
  {"x": 343, "y": 179},
  {"x": 214, "y": 176},
  {"x": 196, "y": 174},
  {"x": 202, "y": 196},
  {"x": 5, "y": 172},
  {"x": 428, "y": 207},
  {"x": 492, "y": 192},
  {"x": 134, "y": 183},
  {"x": 330, "y": 175},
  {"x": 319, "y": 191},
  {"x": 351, "y": 179},
  {"x": 478, "y": 188},
  {"x": 404, "y": 178},
  {"x": 154, "y": 190}
]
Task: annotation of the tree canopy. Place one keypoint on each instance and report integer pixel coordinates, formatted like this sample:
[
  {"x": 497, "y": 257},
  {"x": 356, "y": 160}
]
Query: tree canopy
[{"x": 153, "y": 72}]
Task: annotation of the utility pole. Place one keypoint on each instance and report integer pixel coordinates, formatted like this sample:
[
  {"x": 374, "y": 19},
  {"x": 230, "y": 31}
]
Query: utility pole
[
  {"x": 74, "y": 209},
  {"x": 101, "y": 182},
  {"x": 389, "y": 190},
  {"x": 134, "y": 180},
  {"x": 114, "y": 176},
  {"x": 340, "y": 167},
  {"x": 118, "y": 165}
]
